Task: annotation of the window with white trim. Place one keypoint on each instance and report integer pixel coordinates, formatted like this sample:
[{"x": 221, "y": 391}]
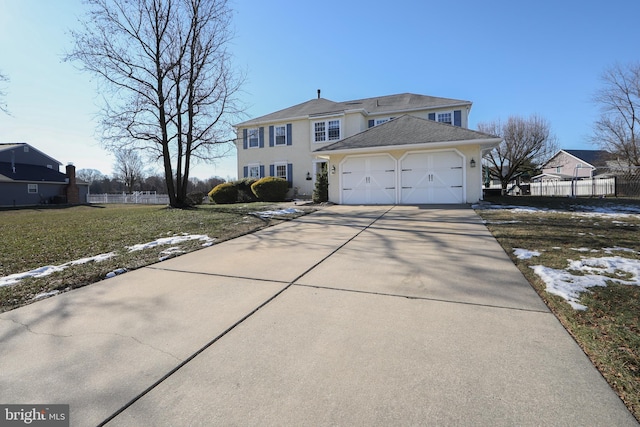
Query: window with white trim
[
  {"x": 280, "y": 170},
  {"x": 32, "y": 188},
  {"x": 253, "y": 136},
  {"x": 280, "y": 135},
  {"x": 381, "y": 121},
  {"x": 445, "y": 117},
  {"x": 326, "y": 131},
  {"x": 253, "y": 171},
  {"x": 559, "y": 169}
]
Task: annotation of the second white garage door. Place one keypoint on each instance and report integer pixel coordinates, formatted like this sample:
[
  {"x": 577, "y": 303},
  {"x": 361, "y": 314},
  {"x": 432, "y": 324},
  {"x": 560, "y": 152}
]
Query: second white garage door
[{"x": 432, "y": 177}]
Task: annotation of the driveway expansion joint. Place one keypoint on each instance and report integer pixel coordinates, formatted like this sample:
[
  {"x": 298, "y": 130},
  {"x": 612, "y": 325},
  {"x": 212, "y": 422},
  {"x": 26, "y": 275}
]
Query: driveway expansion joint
[
  {"x": 413, "y": 297},
  {"x": 232, "y": 327}
]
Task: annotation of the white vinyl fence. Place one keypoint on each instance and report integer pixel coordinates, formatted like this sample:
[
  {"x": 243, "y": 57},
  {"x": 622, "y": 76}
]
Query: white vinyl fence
[
  {"x": 583, "y": 187},
  {"x": 138, "y": 197}
]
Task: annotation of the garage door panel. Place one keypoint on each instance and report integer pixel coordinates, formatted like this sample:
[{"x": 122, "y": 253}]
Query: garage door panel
[
  {"x": 369, "y": 180},
  {"x": 432, "y": 177}
]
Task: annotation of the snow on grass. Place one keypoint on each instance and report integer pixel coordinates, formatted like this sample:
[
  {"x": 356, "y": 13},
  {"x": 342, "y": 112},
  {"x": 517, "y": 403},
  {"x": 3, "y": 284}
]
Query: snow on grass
[
  {"x": 46, "y": 295},
  {"x": 49, "y": 269},
  {"x": 269, "y": 214},
  {"x": 595, "y": 272},
  {"x": 524, "y": 253},
  {"x": 173, "y": 240},
  {"x": 621, "y": 211}
]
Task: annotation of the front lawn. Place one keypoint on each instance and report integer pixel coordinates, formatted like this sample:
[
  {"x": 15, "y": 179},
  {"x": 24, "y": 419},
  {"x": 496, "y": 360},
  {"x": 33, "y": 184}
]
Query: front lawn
[
  {"x": 590, "y": 242},
  {"x": 36, "y": 240}
]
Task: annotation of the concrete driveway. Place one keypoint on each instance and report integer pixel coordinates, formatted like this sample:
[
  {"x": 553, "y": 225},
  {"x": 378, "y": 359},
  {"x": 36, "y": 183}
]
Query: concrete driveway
[{"x": 384, "y": 315}]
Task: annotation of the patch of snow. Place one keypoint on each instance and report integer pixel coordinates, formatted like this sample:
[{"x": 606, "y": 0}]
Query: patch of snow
[
  {"x": 46, "y": 295},
  {"x": 114, "y": 273},
  {"x": 173, "y": 240},
  {"x": 619, "y": 249},
  {"x": 569, "y": 286},
  {"x": 583, "y": 250},
  {"x": 269, "y": 214},
  {"x": 622, "y": 211},
  {"x": 170, "y": 252},
  {"x": 524, "y": 253},
  {"x": 49, "y": 269}
]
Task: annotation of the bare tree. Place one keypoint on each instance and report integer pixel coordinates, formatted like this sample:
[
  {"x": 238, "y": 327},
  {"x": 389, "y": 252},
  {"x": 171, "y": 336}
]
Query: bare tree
[
  {"x": 89, "y": 176},
  {"x": 167, "y": 73},
  {"x": 128, "y": 168},
  {"x": 527, "y": 144},
  {"x": 618, "y": 128},
  {"x": 3, "y": 95}
]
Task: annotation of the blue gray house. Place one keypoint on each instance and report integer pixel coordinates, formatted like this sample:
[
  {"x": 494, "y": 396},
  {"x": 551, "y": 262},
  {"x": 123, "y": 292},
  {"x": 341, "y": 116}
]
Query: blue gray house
[{"x": 29, "y": 177}]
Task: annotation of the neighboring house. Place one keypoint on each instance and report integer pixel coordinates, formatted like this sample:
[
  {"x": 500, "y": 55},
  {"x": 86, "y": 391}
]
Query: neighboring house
[
  {"x": 397, "y": 149},
  {"x": 570, "y": 164},
  {"x": 30, "y": 177},
  {"x": 575, "y": 173}
]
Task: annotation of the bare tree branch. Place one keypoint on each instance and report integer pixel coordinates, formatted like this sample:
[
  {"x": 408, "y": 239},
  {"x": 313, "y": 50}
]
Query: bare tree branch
[
  {"x": 3, "y": 94},
  {"x": 617, "y": 129},
  {"x": 527, "y": 143},
  {"x": 172, "y": 92}
]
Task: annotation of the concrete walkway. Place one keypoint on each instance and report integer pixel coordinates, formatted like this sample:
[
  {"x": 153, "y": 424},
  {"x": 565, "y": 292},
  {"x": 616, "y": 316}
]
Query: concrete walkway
[{"x": 348, "y": 316}]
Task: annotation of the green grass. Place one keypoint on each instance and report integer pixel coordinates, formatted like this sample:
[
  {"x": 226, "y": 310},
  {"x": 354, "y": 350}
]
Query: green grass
[
  {"x": 609, "y": 330},
  {"x": 33, "y": 238}
]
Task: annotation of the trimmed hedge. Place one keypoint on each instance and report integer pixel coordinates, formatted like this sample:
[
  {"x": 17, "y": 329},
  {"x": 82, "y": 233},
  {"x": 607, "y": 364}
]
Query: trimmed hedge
[
  {"x": 270, "y": 189},
  {"x": 224, "y": 193},
  {"x": 244, "y": 190}
]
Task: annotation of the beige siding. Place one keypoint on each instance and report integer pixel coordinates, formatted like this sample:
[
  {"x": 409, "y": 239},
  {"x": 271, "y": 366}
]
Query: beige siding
[{"x": 300, "y": 153}]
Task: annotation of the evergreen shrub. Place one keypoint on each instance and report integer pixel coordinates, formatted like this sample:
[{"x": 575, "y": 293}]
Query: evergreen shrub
[
  {"x": 224, "y": 193},
  {"x": 270, "y": 189}
]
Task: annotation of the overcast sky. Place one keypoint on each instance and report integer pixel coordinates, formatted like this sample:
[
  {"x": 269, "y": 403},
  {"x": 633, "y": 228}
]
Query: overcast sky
[{"x": 507, "y": 57}]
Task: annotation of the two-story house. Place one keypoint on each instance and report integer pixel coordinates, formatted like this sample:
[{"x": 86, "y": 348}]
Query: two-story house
[
  {"x": 30, "y": 177},
  {"x": 570, "y": 164},
  {"x": 397, "y": 149}
]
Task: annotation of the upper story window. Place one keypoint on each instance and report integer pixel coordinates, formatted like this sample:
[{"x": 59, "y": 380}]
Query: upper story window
[
  {"x": 376, "y": 122},
  {"x": 32, "y": 188},
  {"x": 444, "y": 118},
  {"x": 253, "y": 136},
  {"x": 281, "y": 135},
  {"x": 326, "y": 131},
  {"x": 450, "y": 117},
  {"x": 559, "y": 169}
]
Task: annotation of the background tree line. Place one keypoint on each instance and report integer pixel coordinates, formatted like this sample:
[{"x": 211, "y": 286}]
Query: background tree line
[{"x": 100, "y": 183}]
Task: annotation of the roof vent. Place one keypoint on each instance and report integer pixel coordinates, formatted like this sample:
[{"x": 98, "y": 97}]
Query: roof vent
[{"x": 318, "y": 93}]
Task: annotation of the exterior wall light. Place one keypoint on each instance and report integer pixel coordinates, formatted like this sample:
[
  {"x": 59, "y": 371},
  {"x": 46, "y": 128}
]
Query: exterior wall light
[
  {"x": 308, "y": 176},
  {"x": 333, "y": 170},
  {"x": 472, "y": 163}
]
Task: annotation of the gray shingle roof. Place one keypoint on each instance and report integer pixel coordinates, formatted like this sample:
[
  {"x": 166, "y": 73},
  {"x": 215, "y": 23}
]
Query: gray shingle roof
[
  {"x": 407, "y": 130},
  {"x": 30, "y": 173},
  {"x": 593, "y": 157},
  {"x": 381, "y": 104}
]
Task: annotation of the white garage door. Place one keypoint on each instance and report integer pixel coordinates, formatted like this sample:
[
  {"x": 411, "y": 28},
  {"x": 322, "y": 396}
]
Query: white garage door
[
  {"x": 435, "y": 177},
  {"x": 369, "y": 180}
]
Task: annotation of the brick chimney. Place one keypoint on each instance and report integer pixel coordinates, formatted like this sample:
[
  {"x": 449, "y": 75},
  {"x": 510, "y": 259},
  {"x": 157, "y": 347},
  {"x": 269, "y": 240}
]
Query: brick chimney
[{"x": 73, "y": 193}]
